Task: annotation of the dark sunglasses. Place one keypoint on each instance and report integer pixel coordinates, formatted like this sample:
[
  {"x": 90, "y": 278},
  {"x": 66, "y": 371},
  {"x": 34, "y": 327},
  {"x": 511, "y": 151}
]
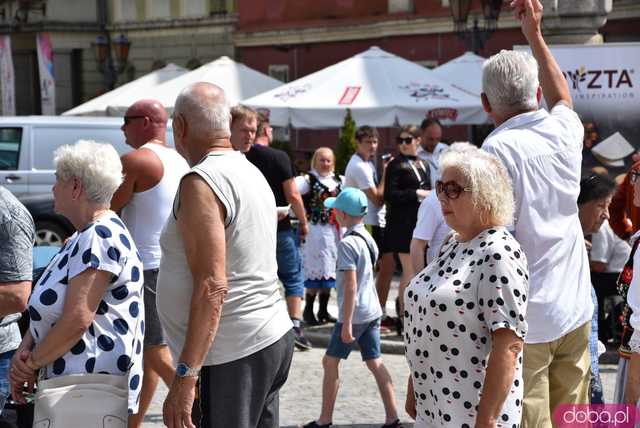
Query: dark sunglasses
[
  {"x": 128, "y": 119},
  {"x": 633, "y": 176},
  {"x": 451, "y": 189},
  {"x": 405, "y": 140}
]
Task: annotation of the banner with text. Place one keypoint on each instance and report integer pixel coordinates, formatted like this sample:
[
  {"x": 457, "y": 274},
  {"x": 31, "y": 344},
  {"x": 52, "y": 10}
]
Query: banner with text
[
  {"x": 45, "y": 68},
  {"x": 7, "y": 82},
  {"x": 603, "y": 84}
]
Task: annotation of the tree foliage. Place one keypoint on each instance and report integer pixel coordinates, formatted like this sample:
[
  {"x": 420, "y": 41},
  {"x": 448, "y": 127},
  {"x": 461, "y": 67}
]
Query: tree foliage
[{"x": 346, "y": 144}]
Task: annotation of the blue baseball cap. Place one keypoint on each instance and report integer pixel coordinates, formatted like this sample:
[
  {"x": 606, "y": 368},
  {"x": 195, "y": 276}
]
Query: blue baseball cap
[{"x": 350, "y": 200}]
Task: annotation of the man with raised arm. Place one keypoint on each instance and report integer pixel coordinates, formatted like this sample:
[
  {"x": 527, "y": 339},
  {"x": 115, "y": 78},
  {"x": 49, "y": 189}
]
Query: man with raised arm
[{"x": 542, "y": 151}]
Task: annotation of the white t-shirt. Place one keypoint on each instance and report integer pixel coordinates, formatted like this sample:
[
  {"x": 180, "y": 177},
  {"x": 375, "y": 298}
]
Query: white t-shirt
[
  {"x": 433, "y": 160},
  {"x": 362, "y": 175},
  {"x": 431, "y": 226},
  {"x": 607, "y": 248},
  {"x": 542, "y": 152},
  {"x": 254, "y": 314}
]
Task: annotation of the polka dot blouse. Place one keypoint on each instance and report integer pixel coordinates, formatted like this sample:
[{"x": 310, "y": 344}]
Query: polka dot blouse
[
  {"x": 451, "y": 308},
  {"x": 113, "y": 342}
]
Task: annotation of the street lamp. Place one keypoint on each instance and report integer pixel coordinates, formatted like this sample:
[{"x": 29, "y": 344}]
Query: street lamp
[
  {"x": 102, "y": 47},
  {"x": 475, "y": 37}
]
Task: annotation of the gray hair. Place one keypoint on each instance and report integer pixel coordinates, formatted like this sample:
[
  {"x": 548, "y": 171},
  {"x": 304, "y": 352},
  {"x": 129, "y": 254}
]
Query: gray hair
[
  {"x": 462, "y": 147},
  {"x": 96, "y": 165},
  {"x": 204, "y": 116},
  {"x": 510, "y": 82},
  {"x": 491, "y": 189}
]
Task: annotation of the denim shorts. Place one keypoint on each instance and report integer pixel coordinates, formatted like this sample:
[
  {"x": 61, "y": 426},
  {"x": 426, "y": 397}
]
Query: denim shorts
[
  {"x": 5, "y": 364},
  {"x": 289, "y": 264},
  {"x": 320, "y": 283},
  {"x": 367, "y": 336}
]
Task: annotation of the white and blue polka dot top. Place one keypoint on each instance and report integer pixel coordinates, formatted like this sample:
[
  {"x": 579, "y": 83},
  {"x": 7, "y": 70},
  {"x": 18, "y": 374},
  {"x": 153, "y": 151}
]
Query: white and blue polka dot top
[{"x": 110, "y": 345}]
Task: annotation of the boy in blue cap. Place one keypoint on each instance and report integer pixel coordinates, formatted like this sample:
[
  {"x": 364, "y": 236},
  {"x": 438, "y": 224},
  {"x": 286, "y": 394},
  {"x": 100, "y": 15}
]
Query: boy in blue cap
[{"x": 359, "y": 309}]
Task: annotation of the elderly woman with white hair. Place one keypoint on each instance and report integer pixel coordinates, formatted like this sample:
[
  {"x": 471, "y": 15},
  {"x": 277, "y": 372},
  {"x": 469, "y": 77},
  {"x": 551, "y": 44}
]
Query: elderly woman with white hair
[
  {"x": 86, "y": 311},
  {"x": 464, "y": 313}
]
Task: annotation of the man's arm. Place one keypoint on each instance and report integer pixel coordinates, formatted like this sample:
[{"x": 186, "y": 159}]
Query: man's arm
[
  {"x": 16, "y": 262},
  {"x": 205, "y": 250},
  {"x": 417, "y": 250},
  {"x": 131, "y": 168},
  {"x": 14, "y": 297},
  {"x": 293, "y": 197},
  {"x": 554, "y": 86},
  {"x": 142, "y": 170}
]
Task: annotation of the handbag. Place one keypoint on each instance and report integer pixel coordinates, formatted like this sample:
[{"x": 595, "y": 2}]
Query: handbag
[{"x": 82, "y": 401}]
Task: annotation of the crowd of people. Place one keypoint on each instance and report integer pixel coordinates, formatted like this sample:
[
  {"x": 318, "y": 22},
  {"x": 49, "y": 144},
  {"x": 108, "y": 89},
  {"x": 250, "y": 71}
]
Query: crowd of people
[{"x": 174, "y": 273}]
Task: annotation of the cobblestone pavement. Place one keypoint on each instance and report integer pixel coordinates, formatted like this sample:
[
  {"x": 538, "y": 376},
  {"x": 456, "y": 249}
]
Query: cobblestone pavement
[{"x": 358, "y": 404}]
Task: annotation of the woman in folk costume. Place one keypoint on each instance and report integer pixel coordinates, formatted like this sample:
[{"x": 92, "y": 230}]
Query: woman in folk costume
[{"x": 319, "y": 250}]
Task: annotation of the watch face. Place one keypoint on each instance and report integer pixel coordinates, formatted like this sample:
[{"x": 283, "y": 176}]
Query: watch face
[{"x": 181, "y": 369}]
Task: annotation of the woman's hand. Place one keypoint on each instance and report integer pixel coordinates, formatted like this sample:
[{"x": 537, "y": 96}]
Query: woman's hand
[
  {"x": 346, "y": 334},
  {"x": 410, "y": 402},
  {"x": 20, "y": 374}
]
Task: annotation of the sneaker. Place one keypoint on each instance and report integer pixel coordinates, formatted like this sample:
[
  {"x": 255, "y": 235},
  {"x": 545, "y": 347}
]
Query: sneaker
[
  {"x": 388, "y": 322},
  {"x": 314, "y": 424},
  {"x": 301, "y": 342},
  {"x": 394, "y": 424}
]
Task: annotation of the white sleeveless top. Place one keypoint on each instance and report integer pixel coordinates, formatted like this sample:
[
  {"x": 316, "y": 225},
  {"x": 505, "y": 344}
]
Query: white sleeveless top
[
  {"x": 147, "y": 211},
  {"x": 254, "y": 314}
]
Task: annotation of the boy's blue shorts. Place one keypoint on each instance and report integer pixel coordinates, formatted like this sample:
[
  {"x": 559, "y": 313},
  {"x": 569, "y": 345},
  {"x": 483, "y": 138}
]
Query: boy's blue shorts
[{"x": 367, "y": 336}]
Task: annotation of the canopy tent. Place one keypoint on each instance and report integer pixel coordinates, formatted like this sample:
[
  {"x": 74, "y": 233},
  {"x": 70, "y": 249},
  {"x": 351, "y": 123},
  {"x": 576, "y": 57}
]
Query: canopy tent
[
  {"x": 138, "y": 88},
  {"x": 237, "y": 80},
  {"x": 464, "y": 72},
  {"x": 380, "y": 88}
]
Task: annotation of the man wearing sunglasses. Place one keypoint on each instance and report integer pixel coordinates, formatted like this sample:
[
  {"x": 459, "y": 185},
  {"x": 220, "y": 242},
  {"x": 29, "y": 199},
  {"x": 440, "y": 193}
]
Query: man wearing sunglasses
[
  {"x": 543, "y": 153},
  {"x": 152, "y": 172}
]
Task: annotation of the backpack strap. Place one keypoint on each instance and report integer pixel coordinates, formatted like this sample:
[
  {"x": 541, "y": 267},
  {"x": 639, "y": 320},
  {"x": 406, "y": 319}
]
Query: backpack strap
[{"x": 371, "y": 252}]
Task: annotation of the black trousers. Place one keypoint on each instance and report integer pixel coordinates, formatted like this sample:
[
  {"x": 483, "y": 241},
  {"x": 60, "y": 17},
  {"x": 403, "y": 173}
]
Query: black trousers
[{"x": 244, "y": 393}]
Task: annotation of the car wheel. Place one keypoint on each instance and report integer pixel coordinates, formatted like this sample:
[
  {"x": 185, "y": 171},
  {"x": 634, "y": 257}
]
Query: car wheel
[{"x": 50, "y": 233}]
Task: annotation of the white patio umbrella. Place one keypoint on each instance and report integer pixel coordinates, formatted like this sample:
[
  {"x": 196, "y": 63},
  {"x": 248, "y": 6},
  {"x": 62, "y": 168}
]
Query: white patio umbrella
[
  {"x": 465, "y": 72},
  {"x": 137, "y": 88},
  {"x": 237, "y": 80},
  {"x": 380, "y": 88}
]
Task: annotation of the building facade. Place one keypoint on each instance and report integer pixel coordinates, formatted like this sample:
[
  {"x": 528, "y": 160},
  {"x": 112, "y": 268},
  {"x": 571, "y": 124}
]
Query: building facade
[
  {"x": 289, "y": 39},
  {"x": 188, "y": 33}
]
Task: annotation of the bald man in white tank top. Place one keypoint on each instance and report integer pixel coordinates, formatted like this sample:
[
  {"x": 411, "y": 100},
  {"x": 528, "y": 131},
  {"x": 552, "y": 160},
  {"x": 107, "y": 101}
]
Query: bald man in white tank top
[{"x": 152, "y": 173}]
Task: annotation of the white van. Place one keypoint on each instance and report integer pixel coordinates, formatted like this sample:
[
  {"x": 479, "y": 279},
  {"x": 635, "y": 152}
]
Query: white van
[{"x": 27, "y": 144}]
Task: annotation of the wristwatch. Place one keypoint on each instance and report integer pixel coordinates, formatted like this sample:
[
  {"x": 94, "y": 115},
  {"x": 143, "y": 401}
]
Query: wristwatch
[{"x": 183, "y": 370}]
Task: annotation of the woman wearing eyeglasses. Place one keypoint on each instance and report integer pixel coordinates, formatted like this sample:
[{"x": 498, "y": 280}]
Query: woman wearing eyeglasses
[
  {"x": 407, "y": 183},
  {"x": 465, "y": 312}
]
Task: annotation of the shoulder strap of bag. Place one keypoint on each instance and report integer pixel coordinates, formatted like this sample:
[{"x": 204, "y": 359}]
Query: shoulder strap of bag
[{"x": 371, "y": 252}]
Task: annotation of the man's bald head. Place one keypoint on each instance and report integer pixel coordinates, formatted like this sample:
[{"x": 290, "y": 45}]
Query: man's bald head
[
  {"x": 145, "y": 121},
  {"x": 205, "y": 110},
  {"x": 152, "y": 109}
]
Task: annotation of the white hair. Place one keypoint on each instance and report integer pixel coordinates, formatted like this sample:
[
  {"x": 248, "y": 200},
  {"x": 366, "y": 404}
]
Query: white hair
[
  {"x": 510, "y": 82},
  {"x": 491, "y": 189},
  {"x": 96, "y": 165},
  {"x": 204, "y": 116},
  {"x": 462, "y": 147}
]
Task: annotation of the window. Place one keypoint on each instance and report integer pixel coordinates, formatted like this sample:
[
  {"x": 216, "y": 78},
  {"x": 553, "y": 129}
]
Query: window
[
  {"x": 219, "y": 7},
  {"x": 195, "y": 8},
  {"x": 279, "y": 71},
  {"x": 159, "y": 9},
  {"x": 10, "y": 141}
]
